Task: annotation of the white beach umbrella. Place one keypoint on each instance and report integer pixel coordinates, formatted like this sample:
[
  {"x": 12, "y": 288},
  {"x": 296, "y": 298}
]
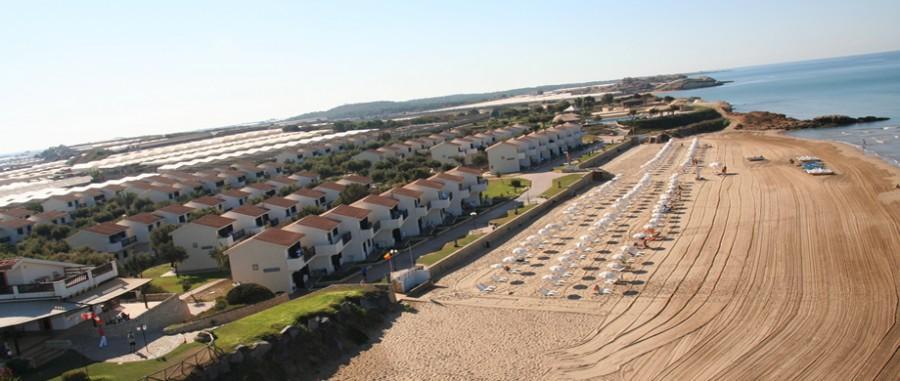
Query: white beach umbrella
[
  {"x": 619, "y": 257},
  {"x": 615, "y": 266},
  {"x": 639, "y": 236},
  {"x": 509, "y": 260},
  {"x": 608, "y": 277},
  {"x": 557, "y": 269},
  {"x": 497, "y": 266},
  {"x": 519, "y": 251},
  {"x": 550, "y": 277}
]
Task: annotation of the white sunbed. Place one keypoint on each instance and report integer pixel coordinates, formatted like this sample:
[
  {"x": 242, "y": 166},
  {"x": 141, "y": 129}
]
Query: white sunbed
[
  {"x": 485, "y": 288},
  {"x": 548, "y": 292}
]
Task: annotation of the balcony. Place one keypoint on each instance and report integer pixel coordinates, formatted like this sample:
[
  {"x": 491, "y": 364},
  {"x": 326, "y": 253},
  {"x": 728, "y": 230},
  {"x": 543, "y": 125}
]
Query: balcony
[
  {"x": 441, "y": 203},
  {"x": 128, "y": 241},
  {"x": 479, "y": 187},
  {"x": 329, "y": 248},
  {"x": 61, "y": 288},
  {"x": 464, "y": 193},
  {"x": 346, "y": 237}
]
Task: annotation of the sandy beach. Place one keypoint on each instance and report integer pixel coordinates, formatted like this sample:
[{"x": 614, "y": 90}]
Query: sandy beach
[{"x": 766, "y": 273}]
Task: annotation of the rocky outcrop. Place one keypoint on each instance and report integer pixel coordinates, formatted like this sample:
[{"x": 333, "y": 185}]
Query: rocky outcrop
[
  {"x": 690, "y": 83},
  {"x": 764, "y": 120}
]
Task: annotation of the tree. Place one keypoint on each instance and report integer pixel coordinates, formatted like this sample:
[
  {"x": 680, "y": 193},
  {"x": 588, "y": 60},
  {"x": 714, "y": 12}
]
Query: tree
[
  {"x": 138, "y": 263},
  {"x": 290, "y": 129},
  {"x": 480, "y": 159},
  {"x": 607, "y": 99},
  {"x": 218, "y": 254},
  {"x": 162, "y": 236},
  {"x": 170, "y": 253},
  {"x": 352, "y": 193}
]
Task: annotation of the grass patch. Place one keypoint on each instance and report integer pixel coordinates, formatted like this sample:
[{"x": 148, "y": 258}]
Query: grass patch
[
  {"x": 560, "y": 184},
  {"x": 504, "y": 187},
  {"x": 173, "y": 283},
  {"x": 510, "y": 214},
  {"x": 434, "y": 256},
  {"x": 269, "y": 322},
  {"x": 110, "y": 371}
]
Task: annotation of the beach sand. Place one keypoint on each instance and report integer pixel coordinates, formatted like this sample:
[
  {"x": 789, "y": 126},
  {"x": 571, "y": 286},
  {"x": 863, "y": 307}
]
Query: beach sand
[{"x": 767, "y": 273}]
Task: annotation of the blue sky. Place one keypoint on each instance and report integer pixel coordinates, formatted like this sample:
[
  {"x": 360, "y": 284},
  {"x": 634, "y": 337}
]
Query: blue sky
[{"x": 75, "y": 71}]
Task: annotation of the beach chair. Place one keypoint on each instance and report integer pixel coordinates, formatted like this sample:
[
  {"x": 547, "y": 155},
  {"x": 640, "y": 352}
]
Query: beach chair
[
  {"x": 548, "y": 293},
  {"x": 498, "y": 279},
  {"x": 483, "y": 288}
]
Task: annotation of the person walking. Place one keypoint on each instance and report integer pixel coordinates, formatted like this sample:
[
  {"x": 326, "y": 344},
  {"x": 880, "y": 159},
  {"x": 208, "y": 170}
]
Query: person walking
[
  {"x": 131, "y": 341},
  {"x": 102, "y": 333}
]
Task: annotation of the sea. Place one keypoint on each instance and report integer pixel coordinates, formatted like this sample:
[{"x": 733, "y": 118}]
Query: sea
[{"x": 854, "y": 86}]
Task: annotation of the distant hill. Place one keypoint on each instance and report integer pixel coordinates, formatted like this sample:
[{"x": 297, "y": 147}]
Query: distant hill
[{"x": 386, "y": 108}]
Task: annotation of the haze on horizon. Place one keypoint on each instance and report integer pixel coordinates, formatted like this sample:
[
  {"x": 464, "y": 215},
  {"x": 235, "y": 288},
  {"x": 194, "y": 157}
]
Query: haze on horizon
[{"x": 74, "y": 72}]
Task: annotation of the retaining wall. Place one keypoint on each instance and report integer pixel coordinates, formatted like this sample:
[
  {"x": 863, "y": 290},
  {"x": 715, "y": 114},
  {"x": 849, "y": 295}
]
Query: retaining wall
[
  {"x": 605, "y": 157},
  {"x": 225, "y": 317}
]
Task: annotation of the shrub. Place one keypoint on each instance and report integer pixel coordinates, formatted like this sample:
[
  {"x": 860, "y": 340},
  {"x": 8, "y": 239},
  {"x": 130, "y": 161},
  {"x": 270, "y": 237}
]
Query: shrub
[
  {"x": 248, "y": 293},
  {"x": 75, "y": 375},
  {"x": 221, "y": 304},
  {"x": 19, "y": 365},
  {"x": 673, "y": 121}
]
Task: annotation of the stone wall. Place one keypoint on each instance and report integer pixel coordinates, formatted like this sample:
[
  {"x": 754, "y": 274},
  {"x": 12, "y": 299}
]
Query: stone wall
[
  {"x": 225, "y": 317},
  {"x": 171, "y": 310}
]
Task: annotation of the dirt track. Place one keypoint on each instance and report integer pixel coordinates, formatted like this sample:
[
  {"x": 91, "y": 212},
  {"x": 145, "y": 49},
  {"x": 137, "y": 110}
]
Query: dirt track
[{"x": 767, "y": 273}]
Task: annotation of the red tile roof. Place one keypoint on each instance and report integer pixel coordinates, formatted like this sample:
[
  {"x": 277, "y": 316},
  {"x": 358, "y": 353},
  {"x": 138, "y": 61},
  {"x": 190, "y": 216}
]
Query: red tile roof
[
  {"x": 403, "y": 192},
  {"x": 235, "y": 193},
  {"x": 447, "y": 177},
  {"x": 358, "y": 179},
  {"x": 474, "y": 171},
  {"x": 17, "y": 212},
  {"x": 428, "y": 184},
  {"x": 318, "y": 222},
  {"x": 332, "y": 186},
  {"x": 249, "y": 210},
  {"x": 208, "y": 200},
  {"x": 279, "y": 201},
  {"x": 350, "y": 211},
  {"x": 143, "y": 218},
  {"x": 381, "y": 200},
  {"x": 306, "y": 192},
  {"x": 106, "y": 228},
  {"x": 176, "y": 209},
  {"x": 279, "y": 237},
  {"x": 214, "y": 221},
  {"x": 16, "y": 223},
  {"x": 306, "y": 174}
]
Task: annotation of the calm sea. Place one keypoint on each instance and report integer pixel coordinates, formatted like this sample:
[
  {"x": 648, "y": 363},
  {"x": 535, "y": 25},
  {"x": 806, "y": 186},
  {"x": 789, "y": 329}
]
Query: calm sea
[{"x": 854, "y": 86}]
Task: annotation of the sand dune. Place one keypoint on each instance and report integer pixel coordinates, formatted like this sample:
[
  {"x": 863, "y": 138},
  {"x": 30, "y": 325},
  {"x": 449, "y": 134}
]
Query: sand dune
[{"x": 767, "y": 273}]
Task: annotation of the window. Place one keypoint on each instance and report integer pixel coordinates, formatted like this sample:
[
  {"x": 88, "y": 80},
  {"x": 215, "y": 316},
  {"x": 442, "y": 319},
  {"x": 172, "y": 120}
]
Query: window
[
  {"x": 272, "y": 270},
  {"x": 255, "y": 267},
  {"x": 194, "y": 245}
]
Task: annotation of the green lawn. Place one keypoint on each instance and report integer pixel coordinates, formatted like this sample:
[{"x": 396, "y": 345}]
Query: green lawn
[
  {"x": 503, "y": 188},
  {"x": 173, "y": 283},
  {"x": 110, "y": 371},
  {"x": 432, "y": 257},
  {"x": 561, "y": 183},
  {"x": 271, "y": 321},
  {"x": 512, "y": 214}
]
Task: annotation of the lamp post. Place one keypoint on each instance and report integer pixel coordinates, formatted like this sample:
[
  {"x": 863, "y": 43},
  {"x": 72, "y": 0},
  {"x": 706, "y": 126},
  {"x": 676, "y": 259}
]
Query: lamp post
[{"x": 142, "y": 328}]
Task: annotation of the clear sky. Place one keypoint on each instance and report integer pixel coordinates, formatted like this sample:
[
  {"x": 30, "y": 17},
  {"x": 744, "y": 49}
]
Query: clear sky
[{"x": 76, "y": 71}]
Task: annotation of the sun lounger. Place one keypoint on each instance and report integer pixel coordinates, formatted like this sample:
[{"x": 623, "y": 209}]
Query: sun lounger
[
  {"x": 485, "y": 288},
  {"x": 548, "y": 292},
  {"x": 498, "y": 279}
]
